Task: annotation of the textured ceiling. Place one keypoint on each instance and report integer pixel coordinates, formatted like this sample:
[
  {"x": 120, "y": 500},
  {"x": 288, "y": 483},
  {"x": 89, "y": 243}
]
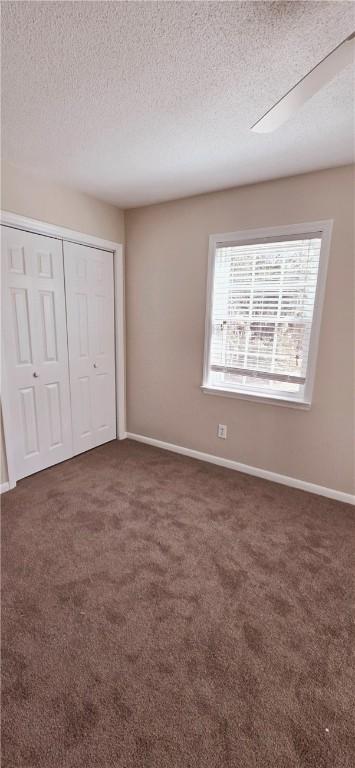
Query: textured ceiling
[{"x": 137, "y": 102}]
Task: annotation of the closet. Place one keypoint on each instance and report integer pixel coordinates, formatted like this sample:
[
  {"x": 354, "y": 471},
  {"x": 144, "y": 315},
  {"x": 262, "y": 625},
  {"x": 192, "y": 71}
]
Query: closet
[{"x": 59, "y": 347}]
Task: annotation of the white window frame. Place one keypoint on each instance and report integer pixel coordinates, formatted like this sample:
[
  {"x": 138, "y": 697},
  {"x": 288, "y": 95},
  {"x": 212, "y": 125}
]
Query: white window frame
[{"x": 249, "y": 235}]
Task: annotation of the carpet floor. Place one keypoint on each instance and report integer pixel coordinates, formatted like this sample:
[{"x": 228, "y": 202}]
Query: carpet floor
[{"x": 160, "y": 612}]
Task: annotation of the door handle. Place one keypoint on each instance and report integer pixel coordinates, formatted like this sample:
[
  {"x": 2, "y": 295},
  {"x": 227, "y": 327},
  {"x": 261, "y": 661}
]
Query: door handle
[
  {"x": 36, "y": 375},
  {"x": 95, "y": 365}
]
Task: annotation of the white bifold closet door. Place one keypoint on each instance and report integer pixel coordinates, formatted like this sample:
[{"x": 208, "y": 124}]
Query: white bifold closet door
[
  {"x": 36, "y": 351},
  {"x": 89, "y": 288}
]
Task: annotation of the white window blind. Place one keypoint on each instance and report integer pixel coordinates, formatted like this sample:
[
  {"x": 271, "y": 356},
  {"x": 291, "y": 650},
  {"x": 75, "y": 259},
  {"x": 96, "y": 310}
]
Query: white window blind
[{"x": 263, "y": 296}]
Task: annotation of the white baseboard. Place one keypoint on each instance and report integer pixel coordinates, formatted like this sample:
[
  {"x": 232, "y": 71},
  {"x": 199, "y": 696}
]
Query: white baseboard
[
  {"x": 4, "y": 487},
  {"x": 293, "y": 482}
]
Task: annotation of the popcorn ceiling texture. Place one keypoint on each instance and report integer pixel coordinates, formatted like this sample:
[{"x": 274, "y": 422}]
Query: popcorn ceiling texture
[{"x": 138, "y": 102}]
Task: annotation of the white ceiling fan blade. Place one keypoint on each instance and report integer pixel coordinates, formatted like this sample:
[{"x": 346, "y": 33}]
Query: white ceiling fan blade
[{"x": 321, "y": 74}]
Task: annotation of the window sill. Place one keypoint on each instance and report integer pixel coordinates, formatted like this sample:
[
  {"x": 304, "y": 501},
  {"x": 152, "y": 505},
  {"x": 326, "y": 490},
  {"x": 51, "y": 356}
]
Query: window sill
[{"x": 257, "y": 398}]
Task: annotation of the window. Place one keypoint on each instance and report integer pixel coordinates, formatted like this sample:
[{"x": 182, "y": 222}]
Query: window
[{"x": 263, "y": 314}]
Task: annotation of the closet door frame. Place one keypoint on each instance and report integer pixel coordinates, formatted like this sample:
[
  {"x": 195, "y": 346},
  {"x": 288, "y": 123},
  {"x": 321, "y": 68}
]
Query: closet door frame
[{"x": 16, "y": 221}]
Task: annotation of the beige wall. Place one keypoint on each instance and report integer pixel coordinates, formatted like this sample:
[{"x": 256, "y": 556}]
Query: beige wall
[
  {"x": 37, "y": 198},
  {"x": 166, "y": 289}
]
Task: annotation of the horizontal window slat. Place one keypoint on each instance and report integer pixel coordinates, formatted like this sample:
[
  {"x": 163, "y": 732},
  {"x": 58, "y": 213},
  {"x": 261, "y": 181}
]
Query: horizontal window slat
[{"x": 259, "y": 374}]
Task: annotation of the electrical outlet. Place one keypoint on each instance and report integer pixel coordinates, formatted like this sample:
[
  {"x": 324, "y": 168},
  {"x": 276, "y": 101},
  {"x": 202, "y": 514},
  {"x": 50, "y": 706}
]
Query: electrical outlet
[{"x": 222, "y": 431}]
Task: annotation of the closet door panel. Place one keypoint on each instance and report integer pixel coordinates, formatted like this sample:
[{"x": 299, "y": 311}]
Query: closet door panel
[
  {"x": 102, "y": 328},
  {"x": 52, "y": 327},
  {"x": 36, "y": 353},
  {"x": 90, "y": 312},
  {"x": 77, "y": 289}
]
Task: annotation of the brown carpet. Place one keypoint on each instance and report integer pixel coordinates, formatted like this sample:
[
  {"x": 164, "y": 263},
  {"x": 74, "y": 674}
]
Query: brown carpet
[{"x": 159, "y": 612}]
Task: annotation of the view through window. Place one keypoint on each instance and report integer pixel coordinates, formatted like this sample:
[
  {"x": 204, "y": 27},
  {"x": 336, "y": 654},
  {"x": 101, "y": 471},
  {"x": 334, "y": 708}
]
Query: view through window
[{"x": 261, "y": 318}]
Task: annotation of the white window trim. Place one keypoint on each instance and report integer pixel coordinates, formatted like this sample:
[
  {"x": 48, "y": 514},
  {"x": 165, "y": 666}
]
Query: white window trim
[{"x": 325, "y": 227}]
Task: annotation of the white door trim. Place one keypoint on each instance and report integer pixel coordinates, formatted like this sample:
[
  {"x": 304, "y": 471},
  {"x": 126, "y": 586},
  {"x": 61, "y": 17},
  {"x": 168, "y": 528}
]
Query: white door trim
[{"x": 17, "y": 221}]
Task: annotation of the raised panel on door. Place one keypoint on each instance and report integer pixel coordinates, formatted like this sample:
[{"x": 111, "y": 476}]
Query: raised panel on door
[
  {"x": 84, "y": 423},
  {"x": 36, "y": 355},
  {"x": 102, "y": 402},
  {"x": 20, "y": 321},
  {"x": 82, "y": 316},
  {"x": 28, "y": 406},
  {"x": 90, "y": 312},
  {"x": 48, "y": 326},
  {"x": 15, "y": 257},
  {"x": 55, "y": 414}
]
